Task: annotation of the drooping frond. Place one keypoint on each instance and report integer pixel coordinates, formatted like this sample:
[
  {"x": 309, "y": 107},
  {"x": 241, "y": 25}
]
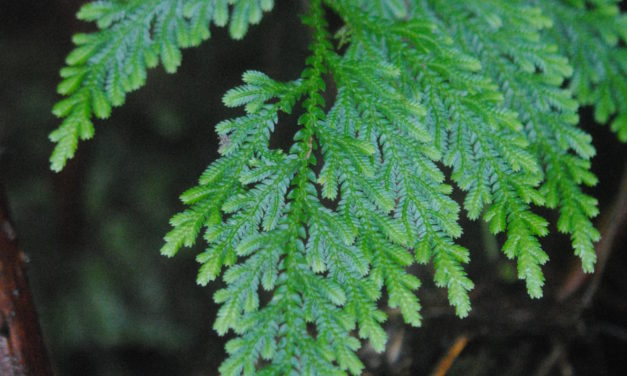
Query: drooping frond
[
  {"x": 589, "y": 33},
  {"x": 375, "y": 105},
  {"x": 476, "y": 135},
  {"x": 416, "y": 86},
  {"x": 133, "y": 36},
  {"x": 529, "y": 74},
  {"x": 484, "y": 93}
]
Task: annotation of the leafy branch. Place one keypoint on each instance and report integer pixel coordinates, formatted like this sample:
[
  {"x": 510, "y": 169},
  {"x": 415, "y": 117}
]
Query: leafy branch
[
  {"x": 310, "y": 240},
  {"x": 133, "y": 36}
]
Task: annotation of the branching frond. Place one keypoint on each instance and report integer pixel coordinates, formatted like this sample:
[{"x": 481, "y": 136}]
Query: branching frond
[
  {"x": 133, "y": 36},
  {"x": 311, "y": 242},
  {"x": 529, "y": 74},
  {"x": 589, "y": 33}
]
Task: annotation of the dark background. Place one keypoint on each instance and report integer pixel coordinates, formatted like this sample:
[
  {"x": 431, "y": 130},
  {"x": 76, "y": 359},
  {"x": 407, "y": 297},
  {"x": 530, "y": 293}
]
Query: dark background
[{"x": 111, "y": 305}]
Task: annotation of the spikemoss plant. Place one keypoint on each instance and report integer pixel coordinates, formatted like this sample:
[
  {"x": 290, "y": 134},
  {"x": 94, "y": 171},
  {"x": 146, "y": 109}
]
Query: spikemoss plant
[{"x": 488, "y": 88}]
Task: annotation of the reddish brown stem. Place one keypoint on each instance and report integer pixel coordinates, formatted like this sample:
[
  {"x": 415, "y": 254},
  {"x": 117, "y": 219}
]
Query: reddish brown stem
[
  {"x": 444, "y": 365},
  {"x": 22, "y": 350}
]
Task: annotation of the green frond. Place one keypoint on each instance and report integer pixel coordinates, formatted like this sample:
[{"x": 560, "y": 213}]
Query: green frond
[
  {"x": 589, "y": 33},
  {"x": 133, "y": 36},
  {"x": 484, "y": 93},
  {"x": 550, "y": 119}
]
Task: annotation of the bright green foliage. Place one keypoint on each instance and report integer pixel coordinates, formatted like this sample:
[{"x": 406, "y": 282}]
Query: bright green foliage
[
  {"x": 530, "y": 73},
  {"x": 133, "y": 35},
  {"x": 308, "y": 241},
  {"x": 589, "y": 33}
]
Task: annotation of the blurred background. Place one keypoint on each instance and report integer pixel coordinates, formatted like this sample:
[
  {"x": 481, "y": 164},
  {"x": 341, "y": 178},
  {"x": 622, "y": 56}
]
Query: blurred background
[{"x": 109, "y": 304}]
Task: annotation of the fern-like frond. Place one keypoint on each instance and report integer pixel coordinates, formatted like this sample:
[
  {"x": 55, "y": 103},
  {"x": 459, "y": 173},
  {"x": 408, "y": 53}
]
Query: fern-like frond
[
  {"x": 529, "y": 73},
  {"x": 589, "y": 33},
  {"x": 308, "y": 241},
  {"x": 133, "y": 36},
  {"x": 477, "y": 136}
]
